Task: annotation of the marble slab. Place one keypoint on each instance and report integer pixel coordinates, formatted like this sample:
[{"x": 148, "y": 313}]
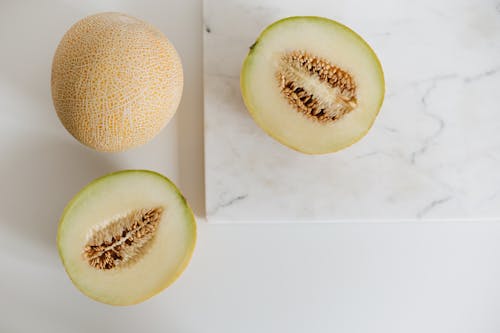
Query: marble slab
[{"x": 433, "y": 153}]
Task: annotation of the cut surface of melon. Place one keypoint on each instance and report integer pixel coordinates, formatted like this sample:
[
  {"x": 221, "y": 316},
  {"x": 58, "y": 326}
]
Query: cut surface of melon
[
  {"x": 126, "y": 236},
  {"x": 312, "y": 84}
]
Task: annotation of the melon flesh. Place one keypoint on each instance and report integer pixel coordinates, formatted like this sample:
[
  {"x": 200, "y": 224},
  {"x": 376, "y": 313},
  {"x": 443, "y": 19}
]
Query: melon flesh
[
  {"x": 109, "y": 198},
  {"x": 333, "y": 43}
]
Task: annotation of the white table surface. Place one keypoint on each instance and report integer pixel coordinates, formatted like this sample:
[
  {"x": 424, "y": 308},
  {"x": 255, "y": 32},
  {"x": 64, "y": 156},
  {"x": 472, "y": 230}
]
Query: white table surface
[
  {"x": 433, "y": 152},
  {"x": 364, "y": 277}
]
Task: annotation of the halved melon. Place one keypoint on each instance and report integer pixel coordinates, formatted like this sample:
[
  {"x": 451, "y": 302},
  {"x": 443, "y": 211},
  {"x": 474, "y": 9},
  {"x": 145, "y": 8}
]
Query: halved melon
[
  {"x": 126, "y": 236},
  {"x": 312, "y": 84}
]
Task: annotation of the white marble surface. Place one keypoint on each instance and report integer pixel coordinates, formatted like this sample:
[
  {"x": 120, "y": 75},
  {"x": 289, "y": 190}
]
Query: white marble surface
[{"x": 433, "y": 152}]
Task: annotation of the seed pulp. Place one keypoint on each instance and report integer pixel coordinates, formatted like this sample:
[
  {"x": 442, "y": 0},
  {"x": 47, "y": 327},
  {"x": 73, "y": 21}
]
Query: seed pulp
[
  {"x": 315, "y": 87},
  {"x": 122, "y": 240}
]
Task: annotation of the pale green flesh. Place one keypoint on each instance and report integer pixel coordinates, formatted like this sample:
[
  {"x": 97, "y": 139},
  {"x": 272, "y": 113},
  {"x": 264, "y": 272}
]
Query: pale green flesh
[
  {"x": 114, "y": 195},
  {"x": 328, "y": 40}
]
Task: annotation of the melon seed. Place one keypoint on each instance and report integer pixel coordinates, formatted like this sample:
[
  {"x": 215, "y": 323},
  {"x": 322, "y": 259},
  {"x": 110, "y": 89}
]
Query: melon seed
[
  {"x": 122, "y": 240},
  {"x": 315, "y": 87}
]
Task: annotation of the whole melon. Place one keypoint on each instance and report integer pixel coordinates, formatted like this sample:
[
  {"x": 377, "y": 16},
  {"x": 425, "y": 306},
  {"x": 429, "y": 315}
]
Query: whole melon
[{"x": 116, "y": 81}]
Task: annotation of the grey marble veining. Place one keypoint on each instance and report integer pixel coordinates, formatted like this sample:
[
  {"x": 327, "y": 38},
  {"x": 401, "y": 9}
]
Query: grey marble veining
[{"x": 433, "y": 153}]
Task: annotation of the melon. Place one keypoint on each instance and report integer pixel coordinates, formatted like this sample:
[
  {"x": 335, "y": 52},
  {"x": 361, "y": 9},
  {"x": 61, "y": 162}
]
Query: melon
[
  {"x": 116, "y": 81},
  {"x": 313, "y": 84},
  {"x": 126, "y": 236}
]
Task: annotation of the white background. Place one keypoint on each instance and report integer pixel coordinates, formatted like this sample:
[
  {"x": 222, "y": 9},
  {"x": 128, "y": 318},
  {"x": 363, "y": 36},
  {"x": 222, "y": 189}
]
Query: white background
[{"x": 384, "y": 277}]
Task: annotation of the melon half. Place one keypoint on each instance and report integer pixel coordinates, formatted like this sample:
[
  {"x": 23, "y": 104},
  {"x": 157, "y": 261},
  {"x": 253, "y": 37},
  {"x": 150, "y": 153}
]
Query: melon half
[
  {"x": 312, "y": 84},
  {"x": 116, "y": 81},
  {"x": 126, "y": 236}
]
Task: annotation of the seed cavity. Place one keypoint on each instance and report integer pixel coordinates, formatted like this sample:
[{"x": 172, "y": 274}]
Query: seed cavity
[
  {"x": 316, "y": 88},
  {"x": 122, "y": 240}
]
